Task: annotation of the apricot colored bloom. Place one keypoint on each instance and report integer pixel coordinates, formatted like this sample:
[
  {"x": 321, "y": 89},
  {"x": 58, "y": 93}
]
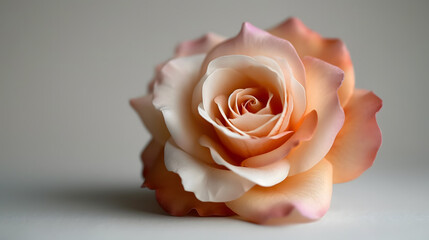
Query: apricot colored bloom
[{"x": 259, "y": 125}]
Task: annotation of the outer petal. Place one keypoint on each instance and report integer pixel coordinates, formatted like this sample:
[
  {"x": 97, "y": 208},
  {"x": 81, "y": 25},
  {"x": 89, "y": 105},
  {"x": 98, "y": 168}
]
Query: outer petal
[
  {"x": 266, "y": 176},
  {"x": 323, "y": 81},
  {"x": 357, "y": 143},
  {"x": 149, "y": 157},
  {"x": 206, "y": 182},
  {"x": 151, "y": 117},
  {"x": 199, "y": 45},
  {"x": 310, "y": 43},
  {"x": 252, "y": 41},
  {"x": 169, "y": 191},
  {"x": 304, "y": 196},
  {"x": 173, "y": 96}
]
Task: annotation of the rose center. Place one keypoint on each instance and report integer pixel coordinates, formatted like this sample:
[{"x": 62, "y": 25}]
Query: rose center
[{"x": 251, "y": 100}]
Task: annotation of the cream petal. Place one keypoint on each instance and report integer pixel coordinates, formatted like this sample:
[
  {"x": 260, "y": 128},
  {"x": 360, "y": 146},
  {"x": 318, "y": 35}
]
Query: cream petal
[
  {"x": 323, "y": 80},
  {"x": 169, "y": 191},
  {"x": 220, "y": 102},
  {"x": 173, "y": 97},
  {"x": 298, "y": 93},
  {"x": 304, "y": 133},
  {"x": 209, "y": 184},
  {"x": 310, "y": 43},
  {"x": 199, "y": 45},
  {"x": 357, "y": 143},
  {"x": 258, "y": 125},
  {"x": 220, "y": 82},
  {"x": 252, "y": 41},
  {"x": 294, "y": 108},
  {"x": 307, "y": 194},
  {"x": 248, "y": 124},
  {"x": 151, "y": 117},
  {"x": 244, "y": 145},
  {"x": 248, "y": 73},
  {"x": 233, "y": 105},
  {"x": 266, "y": 176},
  {"x": 229, "y": 73}
]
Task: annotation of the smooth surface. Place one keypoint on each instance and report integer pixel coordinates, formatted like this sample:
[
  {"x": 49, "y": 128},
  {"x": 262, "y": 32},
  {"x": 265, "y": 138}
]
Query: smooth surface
[{"x": 70, "y": 143}]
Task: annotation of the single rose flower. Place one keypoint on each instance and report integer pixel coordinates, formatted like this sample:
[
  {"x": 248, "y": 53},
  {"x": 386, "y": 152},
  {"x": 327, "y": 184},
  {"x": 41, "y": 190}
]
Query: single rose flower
[{"x": 260, "y": 125}]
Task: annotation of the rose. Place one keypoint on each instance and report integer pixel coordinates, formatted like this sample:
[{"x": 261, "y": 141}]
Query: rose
[{"x": 260, "y": 125}]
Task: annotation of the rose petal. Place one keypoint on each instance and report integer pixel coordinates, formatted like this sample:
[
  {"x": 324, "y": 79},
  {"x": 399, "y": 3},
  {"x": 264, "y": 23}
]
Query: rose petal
[
  {"x": 308, "y": 193},
  {"x": 244, "y": 146},
  {"x": 151, "y": 117},
  {"x": 323, "y": 80},
  {"x": 206, "y": 182},
  {"x": 296, "y": 101},
  {"x": 304, "y": 133},
  {"x": 252, "y": 41},
  {"x": 266, "y": 176},
  {"x": 173, "y": 96},
  {"x": 228, "y": 73},
  {"x": 199, "y": 45},
  {"x": 296, "y": 95},
  {"x": 149, "y": 158},
  {"x": 310, "y": 43},
  {"x": 357, "y": 143},
  {"x": 259, "y": 125},
  {"x": 249, "y": 124},
  {"x": 169, "y": 191},
  {"x": 220, "y": 82}
]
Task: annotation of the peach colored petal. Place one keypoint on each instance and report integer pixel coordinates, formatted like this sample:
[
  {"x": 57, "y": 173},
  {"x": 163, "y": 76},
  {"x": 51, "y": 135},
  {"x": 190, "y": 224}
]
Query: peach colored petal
[
  {"x": 220, "y": 102},
  {"x": 308, "y": 193},
  {"x": 287, "y": 97},
  {"x": 266, "y": 176},
  {"x": 296, "y": 96},
  {"x": 199, "y": 45},
  {"x": 304, "y": 133},
  {"x": 150, "y": 156},
  {"x": 258, "y": 125},
  {"x": 169, "y": 191},
  {"x": 173, "y": 97},
  {"x": 227, "y": 73},
  {"x": 357, "y": 143},
  {"x": 252, "y": 41},
  {"x": 209, "y": 184},
  {"x": 247, "y": 124},
  {"x": 151, "y": 117},
  {"x": 220, "y": 82},
  {"x": 177, "y": 202},
  {"x": 187, "y": 48},
  {"x": 310, "y": 43},
  {"x": 323, "y": 80},
  {"x": 244, "y": 146},
  {"x": 294, "y": 107},
  {"x": 234, "y": 107}
]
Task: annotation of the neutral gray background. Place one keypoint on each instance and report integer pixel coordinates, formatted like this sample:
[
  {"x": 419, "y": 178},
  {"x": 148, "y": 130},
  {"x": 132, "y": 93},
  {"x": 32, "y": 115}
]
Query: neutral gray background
[{"x": 70, "y": 143}]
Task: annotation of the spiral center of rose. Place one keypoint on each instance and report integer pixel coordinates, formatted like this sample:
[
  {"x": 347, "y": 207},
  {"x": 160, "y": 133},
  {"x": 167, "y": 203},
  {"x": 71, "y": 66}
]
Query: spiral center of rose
[{"x": 245, "y": 95}]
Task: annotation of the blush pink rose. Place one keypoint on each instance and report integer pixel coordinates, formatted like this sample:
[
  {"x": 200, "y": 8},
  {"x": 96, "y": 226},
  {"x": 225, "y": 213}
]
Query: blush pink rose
[{"x": 259, "y": 125}]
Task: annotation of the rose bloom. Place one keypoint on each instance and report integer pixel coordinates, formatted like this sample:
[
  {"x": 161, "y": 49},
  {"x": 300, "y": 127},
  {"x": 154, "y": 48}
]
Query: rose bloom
[{"x": 259, "y": 125}]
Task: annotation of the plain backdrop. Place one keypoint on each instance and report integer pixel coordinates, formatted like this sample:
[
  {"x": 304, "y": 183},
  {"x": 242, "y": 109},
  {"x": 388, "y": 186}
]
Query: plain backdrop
[{"x": 70, "y": 143}]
